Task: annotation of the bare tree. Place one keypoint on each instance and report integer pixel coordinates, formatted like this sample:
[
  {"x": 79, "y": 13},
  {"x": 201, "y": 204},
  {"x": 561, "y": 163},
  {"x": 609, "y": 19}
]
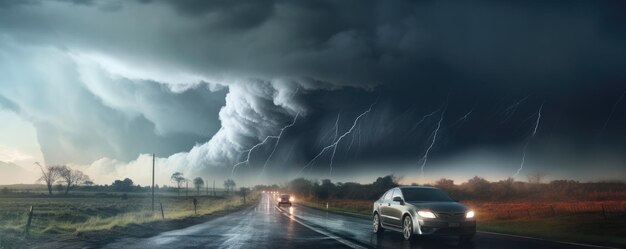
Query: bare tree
[
  {"x": 198, "y": 182},
  {"x": 49, "y": 175},
  {"x": 178, "y": 178},
  {"x": 71, "y": 177},
  {"x": 536, "y": 177},
  {"x": 229, "y": 184},
  {"x": 243, "y": 192}
]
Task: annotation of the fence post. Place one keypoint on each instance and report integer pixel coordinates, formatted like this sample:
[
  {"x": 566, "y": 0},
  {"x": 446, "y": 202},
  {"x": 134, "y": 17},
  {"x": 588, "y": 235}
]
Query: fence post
[
  {"x": 30, "y": 220},
  {"x": 510, "y": 216},
  {"x": 603, "y": 211},
  {"x": 162, "y": 213},
  {"x": 552, "y": 208}
]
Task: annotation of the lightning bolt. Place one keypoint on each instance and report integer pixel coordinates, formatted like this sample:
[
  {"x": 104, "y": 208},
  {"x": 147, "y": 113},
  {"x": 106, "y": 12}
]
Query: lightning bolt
[
  {"x": 424, "y": 118},
  {"x": 424, "y": 158},
  {"x": 332, "y": 133},
  {"x": 532, "y": 135},
  {"x": 278, "y": 139},
  {"x": 356, "y": 133},
  {"x": 333, "y": 146},
  {"x": 462, "y": 119},
  {"x": 249, "y": 151},
  {"x": 509, "y": 111},
  {"x": 613, "y": 110}
]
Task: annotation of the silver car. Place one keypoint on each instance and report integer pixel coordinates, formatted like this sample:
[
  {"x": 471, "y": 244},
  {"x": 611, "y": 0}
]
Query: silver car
[
  {"x": 423, "y": 211},
  {"x": 284, "y": 200}
]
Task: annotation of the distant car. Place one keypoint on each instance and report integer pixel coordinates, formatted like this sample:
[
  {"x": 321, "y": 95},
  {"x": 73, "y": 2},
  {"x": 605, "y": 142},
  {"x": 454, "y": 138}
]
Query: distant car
[
  {"x": 414, "y": 210},
  {"x": 284, "y": 200}
]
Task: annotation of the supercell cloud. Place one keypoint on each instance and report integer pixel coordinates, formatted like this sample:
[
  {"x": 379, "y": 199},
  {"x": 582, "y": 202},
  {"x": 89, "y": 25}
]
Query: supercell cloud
[{"x": 106, "y": 83}]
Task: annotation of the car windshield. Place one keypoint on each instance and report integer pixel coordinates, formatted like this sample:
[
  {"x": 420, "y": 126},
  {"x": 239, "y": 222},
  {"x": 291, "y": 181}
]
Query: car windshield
[
  {"x": 425, "y": 194},
  {"x": 284, "y": 196}
]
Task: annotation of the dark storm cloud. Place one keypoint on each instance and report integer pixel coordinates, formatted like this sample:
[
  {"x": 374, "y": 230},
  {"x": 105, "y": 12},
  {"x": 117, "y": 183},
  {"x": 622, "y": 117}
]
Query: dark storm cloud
[
  {"x": 229, "y": 14},
  {"x": 360, "y": 42},
  {"x": 356, "y": 42},
  {"x": 11, "y": 3},
  {"x": 322, "y": 58}
]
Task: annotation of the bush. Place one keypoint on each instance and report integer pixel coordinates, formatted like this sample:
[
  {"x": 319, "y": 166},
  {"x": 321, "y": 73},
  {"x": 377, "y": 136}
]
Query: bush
[{"x": 328, "y": 190}]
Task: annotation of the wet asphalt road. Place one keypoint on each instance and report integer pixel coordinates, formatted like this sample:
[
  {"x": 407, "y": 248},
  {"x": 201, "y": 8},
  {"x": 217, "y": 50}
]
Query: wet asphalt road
[{"x": 266, "y": 226}]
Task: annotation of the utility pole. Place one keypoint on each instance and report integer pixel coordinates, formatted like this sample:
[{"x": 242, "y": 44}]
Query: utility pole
[
  {"x": 214, "y": 188},
  {"x": 153, "y": 182},
  {"x": 186, "y": 188}
]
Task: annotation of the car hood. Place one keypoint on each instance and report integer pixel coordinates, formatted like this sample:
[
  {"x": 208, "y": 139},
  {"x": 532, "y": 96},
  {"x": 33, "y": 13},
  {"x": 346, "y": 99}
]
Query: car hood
[{"x": 446, "y": 207}]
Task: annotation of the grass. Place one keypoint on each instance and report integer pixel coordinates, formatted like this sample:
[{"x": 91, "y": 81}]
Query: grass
[
  {"x": 69, "y": 216},
  {"x": 593, "y": 222},
  {"x": 359, "y": 207},
  {"x": 584, "y": 228}
]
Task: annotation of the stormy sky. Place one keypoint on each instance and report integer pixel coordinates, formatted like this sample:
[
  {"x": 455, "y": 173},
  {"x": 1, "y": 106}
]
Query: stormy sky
[{"x": 270, "y": 90}]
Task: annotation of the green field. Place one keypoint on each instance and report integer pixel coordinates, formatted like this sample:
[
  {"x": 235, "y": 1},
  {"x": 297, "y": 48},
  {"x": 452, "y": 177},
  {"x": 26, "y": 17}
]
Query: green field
[{"x": 60, "y": 217}]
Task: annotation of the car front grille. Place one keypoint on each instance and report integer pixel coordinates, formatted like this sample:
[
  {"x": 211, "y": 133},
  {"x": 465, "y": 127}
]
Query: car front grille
[{"x": 451, "y": 216}]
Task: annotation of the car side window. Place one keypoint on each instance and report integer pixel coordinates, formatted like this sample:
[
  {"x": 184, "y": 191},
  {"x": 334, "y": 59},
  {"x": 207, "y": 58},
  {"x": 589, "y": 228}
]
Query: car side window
[
  {"x": 397, "y": 193},
  {"x": 387, "y": 195}
]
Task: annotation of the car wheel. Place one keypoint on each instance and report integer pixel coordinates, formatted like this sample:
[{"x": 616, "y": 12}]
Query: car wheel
[
  {"x": 378, "y": 229},
  {"x": 407, "y": 228}
]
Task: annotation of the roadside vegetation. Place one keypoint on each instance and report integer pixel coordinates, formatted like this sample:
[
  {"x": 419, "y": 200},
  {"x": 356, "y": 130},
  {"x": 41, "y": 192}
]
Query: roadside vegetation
[
  {"x": 561, "y": 210},
  {"x": 94, "y": 212}
]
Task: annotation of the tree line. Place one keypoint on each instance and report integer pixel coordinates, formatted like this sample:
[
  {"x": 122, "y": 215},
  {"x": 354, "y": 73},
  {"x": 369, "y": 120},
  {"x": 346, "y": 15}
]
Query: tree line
[
  {"x": 476, "y": 188},
  {"x": 179, "y": 179},
  {"x": 326, "y": 189},
  {"x": 66, "y": 178}
]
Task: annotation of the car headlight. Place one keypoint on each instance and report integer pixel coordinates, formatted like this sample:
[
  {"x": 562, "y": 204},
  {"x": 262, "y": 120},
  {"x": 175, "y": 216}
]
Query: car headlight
[
  {"x": 426, "y": 214},
  {"x": 291, "y": 199},
  {"x": 470, "y": 214}
]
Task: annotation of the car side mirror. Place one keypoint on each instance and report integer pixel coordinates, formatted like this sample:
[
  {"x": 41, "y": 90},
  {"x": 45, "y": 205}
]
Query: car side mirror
[{"x": 398, "y": 199}]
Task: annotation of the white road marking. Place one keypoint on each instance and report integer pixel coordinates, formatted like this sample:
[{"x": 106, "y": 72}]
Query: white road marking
[
  {"x": 339, "y": 239},
  {"x": 545, "y": 240}
]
